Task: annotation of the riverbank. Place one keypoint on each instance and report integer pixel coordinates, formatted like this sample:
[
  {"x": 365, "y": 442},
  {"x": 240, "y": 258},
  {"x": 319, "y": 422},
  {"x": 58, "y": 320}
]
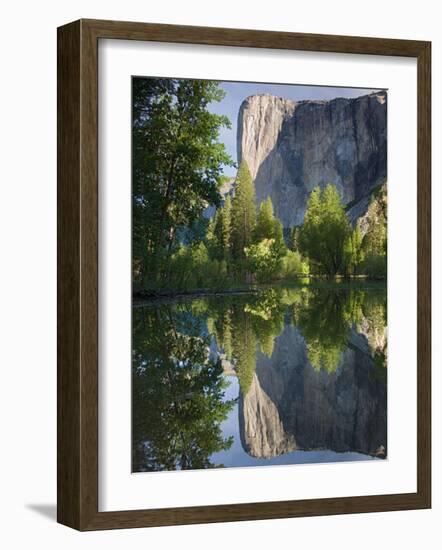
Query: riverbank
[{"x": 142, "y": 297}]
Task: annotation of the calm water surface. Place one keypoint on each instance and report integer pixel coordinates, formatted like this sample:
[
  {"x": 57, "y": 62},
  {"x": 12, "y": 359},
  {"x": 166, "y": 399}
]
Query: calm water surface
[{"x": 282, "y": 376}]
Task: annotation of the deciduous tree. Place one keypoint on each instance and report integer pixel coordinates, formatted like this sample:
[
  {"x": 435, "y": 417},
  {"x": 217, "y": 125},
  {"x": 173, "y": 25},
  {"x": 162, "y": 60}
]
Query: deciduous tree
[
  {"x": 325, "y": 230},
  {"x": 178, "y": 161}
]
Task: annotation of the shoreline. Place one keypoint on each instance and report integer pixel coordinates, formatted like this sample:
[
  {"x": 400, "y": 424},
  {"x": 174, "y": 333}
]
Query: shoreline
[{"x": 150, "y": 297}]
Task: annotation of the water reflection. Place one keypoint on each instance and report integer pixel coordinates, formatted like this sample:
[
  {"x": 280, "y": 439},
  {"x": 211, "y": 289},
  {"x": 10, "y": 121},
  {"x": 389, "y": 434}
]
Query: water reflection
[
  {"x": 280, "y": 376},
  {"x": 178, "y": 392}
]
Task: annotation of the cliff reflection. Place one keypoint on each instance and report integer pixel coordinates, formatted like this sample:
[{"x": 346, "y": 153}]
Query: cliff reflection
[{"x": 310, "y": 365}]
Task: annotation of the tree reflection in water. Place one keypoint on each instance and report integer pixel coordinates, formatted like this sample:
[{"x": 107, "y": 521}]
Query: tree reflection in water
[
  {"x": 179, "y": 349},
  {"x": 178, "y": 394}
]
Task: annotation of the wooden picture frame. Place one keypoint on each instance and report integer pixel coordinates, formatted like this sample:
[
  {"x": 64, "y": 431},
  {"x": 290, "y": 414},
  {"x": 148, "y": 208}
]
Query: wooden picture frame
[{"x": 78, "y": 274}]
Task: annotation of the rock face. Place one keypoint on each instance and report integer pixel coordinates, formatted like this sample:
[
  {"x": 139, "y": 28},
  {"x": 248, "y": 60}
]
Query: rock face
[
  {"x": 292, "y": 406},
  {"x": 291, "y": 147},
  {"x": 261, "y": 429},
  {"x": 374, "y": 213}
]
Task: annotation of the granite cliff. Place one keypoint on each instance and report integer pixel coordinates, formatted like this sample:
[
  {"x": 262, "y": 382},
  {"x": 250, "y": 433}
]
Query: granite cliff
[{"x": 291, "y": 147}]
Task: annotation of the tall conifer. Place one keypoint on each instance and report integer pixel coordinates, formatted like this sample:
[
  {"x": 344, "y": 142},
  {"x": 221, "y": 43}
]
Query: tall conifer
[{"x": 243, "y": 217}]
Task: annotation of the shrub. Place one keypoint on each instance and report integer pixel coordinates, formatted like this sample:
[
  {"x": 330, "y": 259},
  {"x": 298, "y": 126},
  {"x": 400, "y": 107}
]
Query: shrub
[
  {"x": 293, "y": 266},
  {"x": 375, "y": 266},
  {"x": 264, "y": 260},
  {"x": 192, "y": 268}
]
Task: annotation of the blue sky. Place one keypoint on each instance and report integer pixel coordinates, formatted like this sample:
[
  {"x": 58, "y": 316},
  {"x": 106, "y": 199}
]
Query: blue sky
[{"x": 236, "y": 92}]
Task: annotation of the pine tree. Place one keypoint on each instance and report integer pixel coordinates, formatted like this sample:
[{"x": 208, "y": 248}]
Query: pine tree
[
  {"x": 243, "y": 217},
  {"x": 294, "y": 239},
  {"x": 244, "y": 344},
  {"x": 223, "y": 229},
  {"x": 278, "y": 236},
  {"x": 265, "y": 223}
]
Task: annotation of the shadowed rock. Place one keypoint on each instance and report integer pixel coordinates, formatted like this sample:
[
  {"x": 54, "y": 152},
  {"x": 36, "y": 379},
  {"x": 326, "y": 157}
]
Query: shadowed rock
[{"x": 291, "y": 147}]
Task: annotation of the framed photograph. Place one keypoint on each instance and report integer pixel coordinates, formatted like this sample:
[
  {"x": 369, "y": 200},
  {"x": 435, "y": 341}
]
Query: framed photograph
[{"x": 243, "y": 256}]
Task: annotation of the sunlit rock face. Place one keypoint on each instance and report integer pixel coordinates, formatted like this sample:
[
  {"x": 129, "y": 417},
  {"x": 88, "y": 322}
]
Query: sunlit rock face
[
  {"x": 291, "y": 147},
  {"x": 290, "y": 405},
  {"x": 261, "y": 429}
]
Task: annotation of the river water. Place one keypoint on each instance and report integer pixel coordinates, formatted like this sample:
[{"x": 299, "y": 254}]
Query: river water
[{"x": 280, "y": 376}]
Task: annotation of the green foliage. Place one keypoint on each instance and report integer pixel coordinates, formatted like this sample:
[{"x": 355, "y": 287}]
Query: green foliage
[
  {"x": 375, "y": 265},
  {"x": 178, "y": 165},
  {"x": 267, "y": 315},
  {"x": 265, "y": 222},
  {"x": 324, "y": 316},
  {"x": 211, "y": 239},
  {"x": 375, "y": 239},
  {"x": 293, "y": 266},
  {"x": 244, "y": 345},
  {"x": 191, "y": 267},
  {"x": 353, "y": 251},
  {"x": 235, "y": 336},
  {"x": 265, "y": 260},
  {"x": 325, "y": 321},
  {"x": 222, "y": 230},
  {"x": 324, "y": 357},
  {"x": 374, "y": 315},
  {"x": 324, "y": 328},
  {"x": 294, "y": 239},
  {"x": 268, "y": 249},
  {"x": 239, "y": 323},
  {"x": 219, "y": 323},
  {"x": 179, "y": 389},
  {"x": 243, "y": 216},
  {"x": 374, "y": 243},
  {"x": 177, "y": 160},
  {"x": 325, "y": 231},
  {"x": 178, "y": 395}
]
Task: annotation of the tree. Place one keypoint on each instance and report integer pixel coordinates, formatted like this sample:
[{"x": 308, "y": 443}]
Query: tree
[
  {"x": 324, "y": 233},
  {"x": 354, "y": 252},
  {"x": 294, "y": 239},
  {"x": 264, "y": 259},
  {"x": 293, "y": 266},
  {"x": 265, "y": 222},
  {"x": 310, "y": 232},
  {"x": 211, "y": 239},
  {"x": 243, "y": 216},
  {"x": 269, "y": 227},
  {"x": 222, "y": 229},
  {"x": 280, "y": 245},
  {"x": 268, "y": 248},
  {"x": 178, "y": 161},
  {"x": 374, "y": 243}
]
